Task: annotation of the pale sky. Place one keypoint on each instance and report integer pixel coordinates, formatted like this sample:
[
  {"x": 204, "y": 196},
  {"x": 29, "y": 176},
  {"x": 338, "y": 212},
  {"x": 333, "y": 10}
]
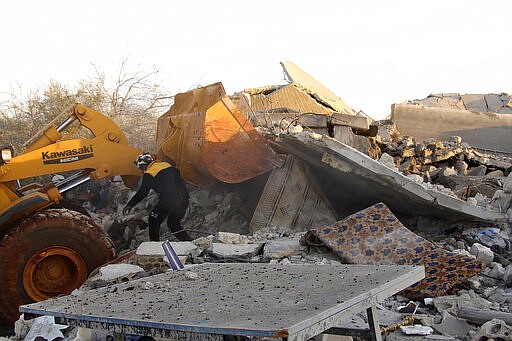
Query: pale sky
[{"x": 370, "y": 53}]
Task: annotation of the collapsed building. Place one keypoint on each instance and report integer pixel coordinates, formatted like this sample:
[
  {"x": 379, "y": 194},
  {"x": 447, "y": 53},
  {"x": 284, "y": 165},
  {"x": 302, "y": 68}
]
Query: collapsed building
[
  {"x": 316, "y": 170},
  {"x": 333, "y": 161}
]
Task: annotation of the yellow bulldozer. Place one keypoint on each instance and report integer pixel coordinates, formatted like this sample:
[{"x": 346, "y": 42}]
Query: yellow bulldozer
[{"x": 48, "y": 248}]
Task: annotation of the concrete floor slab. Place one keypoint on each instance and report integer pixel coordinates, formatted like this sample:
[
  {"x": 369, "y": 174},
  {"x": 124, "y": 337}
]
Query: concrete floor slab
[{"x": 296, "y": 301}]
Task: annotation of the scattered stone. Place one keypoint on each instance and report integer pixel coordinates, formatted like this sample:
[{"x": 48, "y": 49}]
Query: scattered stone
[
  {"x": 482, "y": 253},
  {"x": 387, "y": 160},
  {"x": 231, "y": 238},
  {"x": 501, "y": 200},
  {"x": 477, "y": 171},
  {"x": 499, "y": 295},
  {"x": 45, "y": 327},
  {"x": 191, "y": 275},
  {"x": 277, "y": 249},
  {"x": 234, "y": 251},
  {"x": 416, "y": 329},
  {"x": 495, "y": 270},
  {"x": 507, "y": 275},
  {"x": 122, "y": 272},
  {"x": 495, "y": 174},
  {"x": 151, "y": 254},
  {"x": 452, "y": 326}
]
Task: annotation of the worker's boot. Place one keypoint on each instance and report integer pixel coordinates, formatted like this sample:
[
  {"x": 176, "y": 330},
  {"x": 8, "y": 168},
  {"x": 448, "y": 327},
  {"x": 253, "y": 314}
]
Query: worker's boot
[
  {"x": 154, "y": 221},
  {"x": 182, "y": 235},
  {"x": 174, "y": 224}
]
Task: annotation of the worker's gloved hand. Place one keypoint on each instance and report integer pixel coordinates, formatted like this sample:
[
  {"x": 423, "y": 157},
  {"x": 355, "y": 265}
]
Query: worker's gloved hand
[{"x": 127, "y": 209}]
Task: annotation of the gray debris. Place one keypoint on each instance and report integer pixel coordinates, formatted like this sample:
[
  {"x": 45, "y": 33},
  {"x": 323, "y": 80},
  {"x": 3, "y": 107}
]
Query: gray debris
[
  {"x": 277, "y": 249},
  {"x": 453, "y": 326},
  {"x": 494, "y": 330},
  {"x": 237, "y": 251},
  {"x": 482, "y": 253}
]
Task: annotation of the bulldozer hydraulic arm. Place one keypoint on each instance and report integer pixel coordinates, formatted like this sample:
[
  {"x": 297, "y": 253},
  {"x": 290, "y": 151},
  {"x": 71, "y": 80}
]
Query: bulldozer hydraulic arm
[{"x": 106, "y": 154}]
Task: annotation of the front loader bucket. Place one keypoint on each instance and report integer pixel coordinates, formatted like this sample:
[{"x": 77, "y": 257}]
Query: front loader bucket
[{"x": 208, "y": 138}]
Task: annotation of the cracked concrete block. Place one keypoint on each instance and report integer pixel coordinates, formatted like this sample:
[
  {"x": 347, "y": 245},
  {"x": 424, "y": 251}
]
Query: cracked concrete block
[
  {"x": 482, "y": 253},
  {"x": 507, "y": 276},
  {"x": 155, "y": 249},
  {"x": 388, "y": 161},
  {"x": 151, "y": 254},
  {"x": 495, "y": 270},
  {"x": 505, "y": 110},
  {"x": 346, "y": 136},
  {"x": 453, "y": 326},
  {"x": 494, "y": 330},
  {"x": 221, "y": 250},
  {"x": 501, "y": 296},
  {"x": 277, "y": 249},
  {"x": 507, "y": 186},
  {"x": 124, "y": 272},
  {"x": 495, "y": 174},
  {"x": 231, "y": 238},
  {"x": 501, "y": 200},
  {"x": 291, "y": 97},
  {"x": 451, "y": 303},
  {"x": 475, "y": 102},
  {"x": 494, "y": 102}
]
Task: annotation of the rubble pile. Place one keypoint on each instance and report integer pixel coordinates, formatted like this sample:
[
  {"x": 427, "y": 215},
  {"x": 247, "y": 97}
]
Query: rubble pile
[
  {"x": 471, "y": 175},
  {"x": 472, "y": 303},
  {"x": 220, "y": 215}
]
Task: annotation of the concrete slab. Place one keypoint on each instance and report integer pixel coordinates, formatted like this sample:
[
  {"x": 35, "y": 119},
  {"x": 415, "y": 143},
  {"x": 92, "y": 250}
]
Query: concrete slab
[
  {"x": 352, "y": 181},
  {"x": 317, "y": 89},
  {"x": 290, "y": 97},
  {"x": 294, "y": 301},
  {"x": 235, "y": 250},
  {"x": 155, "y": 249},
  {"x": 292, "y": 198},
  {"x": 475, "y": 102},
  {"x": 113, "y": 271}
]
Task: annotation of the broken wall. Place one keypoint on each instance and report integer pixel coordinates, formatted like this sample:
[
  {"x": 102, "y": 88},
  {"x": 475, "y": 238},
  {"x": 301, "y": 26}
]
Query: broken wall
[
  {"x": 493, "y": 103},
  {"x": 485, "y": 130}
]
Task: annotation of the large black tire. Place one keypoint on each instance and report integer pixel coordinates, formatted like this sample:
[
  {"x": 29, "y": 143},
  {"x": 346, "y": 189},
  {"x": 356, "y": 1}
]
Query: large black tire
[
  {"x": 48, "y": 254},
  {"x": 73, "y": 205}
]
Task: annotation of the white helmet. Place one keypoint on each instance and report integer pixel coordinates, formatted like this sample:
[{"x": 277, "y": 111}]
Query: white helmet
[{"x": 144, "y": 159}]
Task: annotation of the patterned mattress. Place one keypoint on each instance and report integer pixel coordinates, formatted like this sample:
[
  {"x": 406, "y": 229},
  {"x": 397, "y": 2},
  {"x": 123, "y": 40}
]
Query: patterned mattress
[{"x": 375, "y": 236}]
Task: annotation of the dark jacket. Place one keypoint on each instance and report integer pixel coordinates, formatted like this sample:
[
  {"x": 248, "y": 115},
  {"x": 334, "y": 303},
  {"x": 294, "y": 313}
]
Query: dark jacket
[{"x": 165, "y": 180}]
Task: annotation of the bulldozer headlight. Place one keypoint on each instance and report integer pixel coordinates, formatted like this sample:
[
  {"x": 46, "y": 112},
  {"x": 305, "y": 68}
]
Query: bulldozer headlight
[{"x": 6, "y": 154}]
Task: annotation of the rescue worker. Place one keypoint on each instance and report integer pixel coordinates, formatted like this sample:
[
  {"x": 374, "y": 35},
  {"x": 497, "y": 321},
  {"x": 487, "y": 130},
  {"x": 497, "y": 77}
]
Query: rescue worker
[{"x": 173, "y": 197}]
